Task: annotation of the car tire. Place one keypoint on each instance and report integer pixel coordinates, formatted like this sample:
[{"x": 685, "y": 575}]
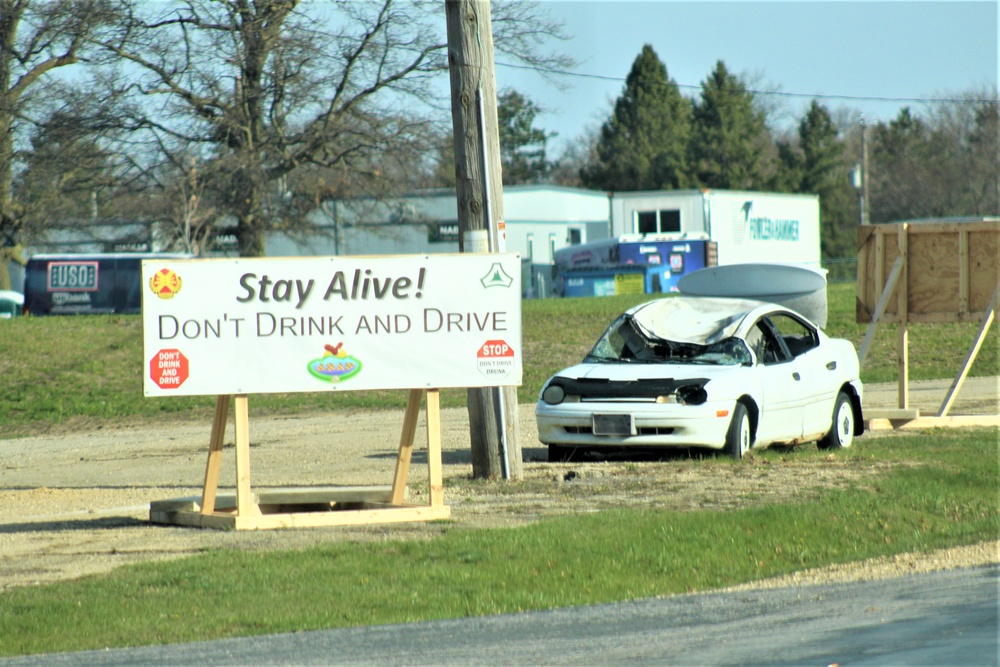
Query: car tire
[
  {"x": 739, "y": 437},
  {"x": 562, "y": 454},
  {"x": 841, "y": 434}
]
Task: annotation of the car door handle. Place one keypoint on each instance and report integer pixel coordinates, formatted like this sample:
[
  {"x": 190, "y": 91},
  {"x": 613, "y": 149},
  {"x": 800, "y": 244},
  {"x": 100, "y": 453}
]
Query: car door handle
[
  {"x": 831, "y": 366},
  {"x": 796, "y": 377}
]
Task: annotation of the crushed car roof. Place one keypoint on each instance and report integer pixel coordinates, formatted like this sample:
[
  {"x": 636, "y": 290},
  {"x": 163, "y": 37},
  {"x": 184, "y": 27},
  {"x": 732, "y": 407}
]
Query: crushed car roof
[{"x": 696, "y": 320}]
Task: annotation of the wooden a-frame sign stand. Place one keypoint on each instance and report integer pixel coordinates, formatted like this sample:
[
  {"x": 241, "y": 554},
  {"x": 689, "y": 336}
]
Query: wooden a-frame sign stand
[{"x": 311, "y": 507}]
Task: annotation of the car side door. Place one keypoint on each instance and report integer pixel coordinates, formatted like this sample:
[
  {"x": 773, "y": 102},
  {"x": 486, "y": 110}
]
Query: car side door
[
  {"x": 781, "y": 409},
  {"x": 816, "y": 369}
]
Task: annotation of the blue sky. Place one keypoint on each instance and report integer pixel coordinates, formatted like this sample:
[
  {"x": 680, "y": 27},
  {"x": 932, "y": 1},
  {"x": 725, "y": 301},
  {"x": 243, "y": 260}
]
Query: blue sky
[{"x": 855, "y": 51}]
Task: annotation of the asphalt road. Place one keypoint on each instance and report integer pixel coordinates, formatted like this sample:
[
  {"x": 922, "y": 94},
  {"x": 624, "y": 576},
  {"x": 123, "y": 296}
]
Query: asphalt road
[{"x": 943, "y": 618}]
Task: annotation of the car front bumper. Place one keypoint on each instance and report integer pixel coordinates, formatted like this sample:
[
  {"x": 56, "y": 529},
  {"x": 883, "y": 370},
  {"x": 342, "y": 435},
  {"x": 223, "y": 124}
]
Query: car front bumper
[{"x": 655, "y": 425}]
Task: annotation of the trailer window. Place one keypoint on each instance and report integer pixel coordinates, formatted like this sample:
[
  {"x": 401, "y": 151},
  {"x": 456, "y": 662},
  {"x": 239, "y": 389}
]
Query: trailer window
[
  {"x": 663, "y": 221},
  {"x": 670, "y": 221},
  {"x": 647, "y": 222}
]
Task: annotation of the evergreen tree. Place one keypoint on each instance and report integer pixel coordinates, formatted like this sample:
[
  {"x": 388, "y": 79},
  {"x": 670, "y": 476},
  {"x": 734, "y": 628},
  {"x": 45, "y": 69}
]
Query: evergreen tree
[
  {"x": 790, "y": 166},
  {"x": 730, "y": 142},
  {"x": 643, "y": 145},
  {"x": 824, "y": 172},
  {"x": 899, "y": 185},
  {"x": 823, "y": 153},
  {"x": 522, "y": 145}
]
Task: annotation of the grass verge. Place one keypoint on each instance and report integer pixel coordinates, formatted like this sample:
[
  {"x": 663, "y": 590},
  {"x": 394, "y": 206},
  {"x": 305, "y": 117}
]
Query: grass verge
[{"x": 941, "y": 492}]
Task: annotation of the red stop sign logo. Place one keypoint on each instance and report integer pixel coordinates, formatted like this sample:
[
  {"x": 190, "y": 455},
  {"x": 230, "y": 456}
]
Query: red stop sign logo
[
  {"x": 492, "y": 349},
  {"x": 168, "y": 369},
  {"x": 495, "y": 359}
]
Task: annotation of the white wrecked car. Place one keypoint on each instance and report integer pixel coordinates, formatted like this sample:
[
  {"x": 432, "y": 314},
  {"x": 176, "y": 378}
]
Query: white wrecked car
[{"x": 727, "y": 374}]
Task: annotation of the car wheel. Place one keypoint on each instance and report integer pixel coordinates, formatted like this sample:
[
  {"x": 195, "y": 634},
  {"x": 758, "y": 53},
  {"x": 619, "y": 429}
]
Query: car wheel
[
  {"x": 738, "y": 437},
  {"x": 562, "y": 454},
  {"x": 841, "y": 433}
]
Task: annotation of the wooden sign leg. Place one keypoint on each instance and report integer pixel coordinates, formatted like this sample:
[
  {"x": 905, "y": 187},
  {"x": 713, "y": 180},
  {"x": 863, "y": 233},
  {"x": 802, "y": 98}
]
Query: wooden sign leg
[
  {"x": 406, "y": 446},
  {"x": 883, "y": 302},
  {"x": 434, "y": 448},
  {"x": 903, "y": 314},
  {"x": 984, "y": 327},
  {"x": 245, "y": 506},
  {"x": 215, "y": 454}
]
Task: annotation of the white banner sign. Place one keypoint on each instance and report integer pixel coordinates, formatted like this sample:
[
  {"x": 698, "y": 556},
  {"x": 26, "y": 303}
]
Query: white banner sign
[{"x": 250, "y": 326}]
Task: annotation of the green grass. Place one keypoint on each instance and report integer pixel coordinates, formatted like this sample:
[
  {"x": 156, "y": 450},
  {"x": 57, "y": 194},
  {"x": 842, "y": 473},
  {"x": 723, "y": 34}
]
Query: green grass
[
  {"x": 73, "y": 372},
  {"x": 940, "y": 491}
]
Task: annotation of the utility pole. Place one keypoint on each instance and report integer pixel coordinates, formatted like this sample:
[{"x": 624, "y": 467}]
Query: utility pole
[
  {"x": 493, "y": 423},
  {"x": 865, "y": 218}
]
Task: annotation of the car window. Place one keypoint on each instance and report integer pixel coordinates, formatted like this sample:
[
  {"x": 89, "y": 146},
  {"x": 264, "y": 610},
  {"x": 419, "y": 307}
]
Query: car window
[
  {"x": 625, "y": 341},
  {"x": 798, "y": 337},
  {"x": 764, "y": 343},
  {"x": 727, "y": 352}
]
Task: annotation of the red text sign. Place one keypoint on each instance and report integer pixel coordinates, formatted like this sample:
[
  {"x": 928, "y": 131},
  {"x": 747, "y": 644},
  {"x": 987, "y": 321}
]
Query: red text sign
[{"x": 168, "y": 369}]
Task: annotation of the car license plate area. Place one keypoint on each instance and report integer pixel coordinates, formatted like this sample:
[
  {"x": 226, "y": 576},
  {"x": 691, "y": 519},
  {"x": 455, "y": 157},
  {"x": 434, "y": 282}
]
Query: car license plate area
[{"x": 613, "y": 425}]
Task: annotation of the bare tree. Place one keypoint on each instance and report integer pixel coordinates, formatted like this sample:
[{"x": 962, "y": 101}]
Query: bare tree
[
  {"x": 36, "y": 38},
  {"x": 576, "y": 155},
  {"x": 65, "y": 170},
  {"x": 263, "y": 90},
  {"x": 942, "y": 163},
  {"x": 965, "y": 131},
  {"x": 189, "y": 223}
]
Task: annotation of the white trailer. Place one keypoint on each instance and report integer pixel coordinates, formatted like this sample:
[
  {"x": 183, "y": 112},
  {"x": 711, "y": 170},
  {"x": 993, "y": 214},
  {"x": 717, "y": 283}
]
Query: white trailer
[{"x": 747, "y": 226}]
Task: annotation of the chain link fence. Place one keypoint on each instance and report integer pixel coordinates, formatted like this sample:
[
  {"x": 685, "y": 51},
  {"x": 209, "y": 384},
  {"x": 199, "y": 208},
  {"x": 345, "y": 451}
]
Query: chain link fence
[{"x": 841, "y": 269}]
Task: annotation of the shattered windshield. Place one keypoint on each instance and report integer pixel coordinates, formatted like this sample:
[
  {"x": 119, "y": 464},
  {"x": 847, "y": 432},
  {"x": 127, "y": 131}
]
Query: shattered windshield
[{"x": 626, "y": 341}]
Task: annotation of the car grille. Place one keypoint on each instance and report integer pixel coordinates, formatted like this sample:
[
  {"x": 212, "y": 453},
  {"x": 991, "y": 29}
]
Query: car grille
[
  {"x": 590, "y": 389},
  {"x": 646, "y": 430}
]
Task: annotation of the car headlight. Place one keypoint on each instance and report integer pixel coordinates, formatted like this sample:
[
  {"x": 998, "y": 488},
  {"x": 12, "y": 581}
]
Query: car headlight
[
  {"x": 553, "y": 394},
  {"x": 692, "y": 394}
]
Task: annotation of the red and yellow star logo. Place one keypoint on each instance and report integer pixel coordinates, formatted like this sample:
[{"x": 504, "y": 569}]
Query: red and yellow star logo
[{"x": 165, "y": 284}]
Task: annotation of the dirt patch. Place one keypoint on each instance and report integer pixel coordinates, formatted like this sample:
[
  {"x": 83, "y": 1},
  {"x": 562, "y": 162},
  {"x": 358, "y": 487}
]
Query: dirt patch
[{"x": 77, "y": 504}]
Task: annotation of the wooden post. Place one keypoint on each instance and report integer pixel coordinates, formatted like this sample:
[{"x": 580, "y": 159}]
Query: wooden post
[
  {"x": 879, "y": 259},
  {"x": 883, "y": 302},
  {"x": 245, "y": 505},
  {"x": 213, "y": 465},
  {"x": 406, "y": 446},
  {"x": 473, "y": 86},
  {"x": 984, "y": 327},
  {"x": 435, "y": 473},
  {"x": 902, "y": 312},
  {"x": 963, "y": 272}
]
